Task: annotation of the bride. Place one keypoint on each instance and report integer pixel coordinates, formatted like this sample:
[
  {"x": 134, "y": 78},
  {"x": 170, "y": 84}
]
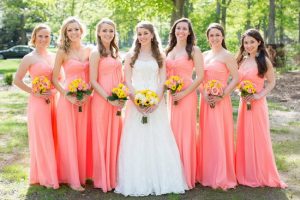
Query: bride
[{"x": 149, "y": 161}]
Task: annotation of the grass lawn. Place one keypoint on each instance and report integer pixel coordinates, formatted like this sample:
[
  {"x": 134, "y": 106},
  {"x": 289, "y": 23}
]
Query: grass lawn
[
  {"x": 9, "y": 65},
  {"x": 14, "y": 162}
]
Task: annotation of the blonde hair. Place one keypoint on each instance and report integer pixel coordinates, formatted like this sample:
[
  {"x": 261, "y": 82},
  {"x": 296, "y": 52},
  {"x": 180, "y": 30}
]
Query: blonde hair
[
  {"x": 113, "y": 46},
  {"x": 64, "y": 42},
  {"x": 36, "y": 29}
]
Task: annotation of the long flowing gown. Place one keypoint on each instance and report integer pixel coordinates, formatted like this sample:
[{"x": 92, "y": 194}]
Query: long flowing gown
[
  {"x": 72, "y": 130},
  {"x": 106, "y": 126},
  {"x": 184, "y": 117},
  {"x": 41, "y": 128},
  {"x": 216, "y": 157},
  {"x": 255, "y": 164},
  {"x": 149, "y": 161}
]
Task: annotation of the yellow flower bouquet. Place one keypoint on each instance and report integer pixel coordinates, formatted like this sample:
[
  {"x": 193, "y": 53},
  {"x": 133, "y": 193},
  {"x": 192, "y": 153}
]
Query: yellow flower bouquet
[
  {"x": 41, "y": 84},
  {"x": 145, "y": 99},
  {"x": 174, "y": 84},
  {"x": 119, "y": 93},
  {"x": 246, "y": 88},
  {"x": 214, "y": 88},
  {"x": 78, "y": 88}
]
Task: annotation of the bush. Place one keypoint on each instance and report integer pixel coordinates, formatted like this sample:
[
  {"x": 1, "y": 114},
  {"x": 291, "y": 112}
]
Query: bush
[{"x": 8, "y": 78}]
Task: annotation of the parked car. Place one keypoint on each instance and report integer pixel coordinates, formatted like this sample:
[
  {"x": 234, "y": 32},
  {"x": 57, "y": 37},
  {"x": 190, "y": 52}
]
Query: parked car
[{"x": 18, "y": 51}]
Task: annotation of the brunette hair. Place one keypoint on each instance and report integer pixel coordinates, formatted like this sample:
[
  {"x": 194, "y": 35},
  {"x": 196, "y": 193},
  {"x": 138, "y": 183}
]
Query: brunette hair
[
  {"x": 191, "y": 39},
  {"x": 220, "y": 28},
  {"x": 261, "y": 55},
  {"x": 113, "y": 47},
  {"x": 155, "y": 44}
]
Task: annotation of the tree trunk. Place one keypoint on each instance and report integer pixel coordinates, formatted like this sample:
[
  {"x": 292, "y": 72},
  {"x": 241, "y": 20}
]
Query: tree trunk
[
  {"x": 218, "y": 11},
  {"x": 271, "y": 28},
  {"x": 177, "y": 10},
  {"x": 224, "y": 13},
  {"x": 248, "y": 22},
  {"x": 299, "y": 28},
  {"x": 73, "y": 8},
  {"x": 22, "y": 36}
]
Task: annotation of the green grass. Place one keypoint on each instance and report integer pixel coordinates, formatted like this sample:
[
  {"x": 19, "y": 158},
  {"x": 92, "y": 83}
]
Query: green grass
[
  {"x": 14, "y": 176},
  {"x": 295, "y": 123},
  {"x": 276, "y": 106},
  {"x": 280, "y": 130},
  {"x": 14, "y": 173},
  {"x": 9, "y": 65},
  {"x": 13, "y": 125},
  {"x": 289, "y": 68}
]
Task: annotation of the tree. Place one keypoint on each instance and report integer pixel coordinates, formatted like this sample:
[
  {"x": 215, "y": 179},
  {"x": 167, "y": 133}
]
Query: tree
[{"x": 271, "y": 27}]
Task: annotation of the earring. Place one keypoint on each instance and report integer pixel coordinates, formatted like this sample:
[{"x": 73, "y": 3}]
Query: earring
[
  {"x": 257, "y": 54},
  {"x": 245, "y": 54}
]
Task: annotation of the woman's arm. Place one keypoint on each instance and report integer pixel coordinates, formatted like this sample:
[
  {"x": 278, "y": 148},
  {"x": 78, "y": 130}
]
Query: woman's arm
[
  {"x": 59, "y": 59},
  {"x": 94, "y": 61},
  {"x": 162, "y": 78},
  {"x": 21, "y": 72},
  {"x": 232, "y": 66},
  {"x": 271, "y": 80},
  {"x": 198, "y": 64}
]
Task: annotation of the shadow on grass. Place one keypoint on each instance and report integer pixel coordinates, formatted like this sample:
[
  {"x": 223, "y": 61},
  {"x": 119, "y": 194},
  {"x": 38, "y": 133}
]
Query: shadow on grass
[{"x": 200, "y": 192}]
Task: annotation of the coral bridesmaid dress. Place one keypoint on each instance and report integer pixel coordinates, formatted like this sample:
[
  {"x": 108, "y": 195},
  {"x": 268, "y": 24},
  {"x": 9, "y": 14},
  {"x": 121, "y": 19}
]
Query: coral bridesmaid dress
[
  {"x": 106, "y": 126},
  {"x": 40, "y": 130},
  {"x": 216, "y": 159},
  {"x": 255, "y": 164},
  {"x": 184, "y": 117},
  {"x": 72, "y": 130}
]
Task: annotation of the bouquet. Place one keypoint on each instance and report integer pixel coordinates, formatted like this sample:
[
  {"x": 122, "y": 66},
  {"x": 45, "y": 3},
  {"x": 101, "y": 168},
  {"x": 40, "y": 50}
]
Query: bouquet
[
  {"x": 144, "y": 99},
  {"x": 119, "y": 93},
  {"x": 78, "y": 88},
  {"x": 214, "y": 88},
  {"x": 174, "y": 84},
  {"x": 41, "y": 84},
  {"x": 246, "y": 88}
]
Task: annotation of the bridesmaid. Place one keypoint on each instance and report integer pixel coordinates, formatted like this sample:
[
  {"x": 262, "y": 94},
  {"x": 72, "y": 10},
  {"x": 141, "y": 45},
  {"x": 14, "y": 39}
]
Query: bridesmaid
[
  {"x": 255, "y": 164},
  {"x": 72, "y": 126},
  {"x": 183, "y": 57},
  {"x": 105, "y": 73},
  {"x": 216, "y": 167},
  {"x": 40, "y": 114}
]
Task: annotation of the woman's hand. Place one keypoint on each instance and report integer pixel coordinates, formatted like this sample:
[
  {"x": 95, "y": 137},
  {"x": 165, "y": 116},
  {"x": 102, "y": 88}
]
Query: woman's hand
[
  {"x": 151, "y": 109},
  {"x": 83, "y": 101},
  {"x": 251, "y": 97},
  {"x": 72, "y": 99},
  {"x": 44, "y": 95},
  {"x": 215, "y": 99},
  {"x": 178, "y": 95},
  {"x": 117, "y": 103}
]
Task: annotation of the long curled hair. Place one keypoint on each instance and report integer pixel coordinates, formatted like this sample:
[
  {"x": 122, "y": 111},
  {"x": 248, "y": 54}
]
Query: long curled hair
[
  {"x": 155, "y": 44},
  {"x": 191, "y": 39},
  {"x": 261, "y": 54},
  {"x": 63, "y": 40},
  {"x": 113, "y": 46},
  {"x": 36, "y": 29},
  {"x": 220, "y": 28}
]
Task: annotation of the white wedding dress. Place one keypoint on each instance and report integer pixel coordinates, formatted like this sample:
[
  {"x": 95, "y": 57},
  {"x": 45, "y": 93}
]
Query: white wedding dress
[{"x": 149, "y": 161}]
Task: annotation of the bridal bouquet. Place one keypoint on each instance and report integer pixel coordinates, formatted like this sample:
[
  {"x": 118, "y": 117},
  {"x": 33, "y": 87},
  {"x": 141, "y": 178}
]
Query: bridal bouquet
[
  {"x": 246, "y": 88},
  {"x": 41, "y": 84},
  {"x": 119, "y": 93},
  {"x": 174, "y": 84},
  {"x": 78, "y": 88},
  {"x": 214, "y": 88},
  {"x": 145, "y": 99}
]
